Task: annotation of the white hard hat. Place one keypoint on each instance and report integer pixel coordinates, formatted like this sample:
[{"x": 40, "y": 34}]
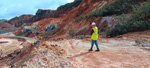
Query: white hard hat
[{"x": 93, "y": 23}]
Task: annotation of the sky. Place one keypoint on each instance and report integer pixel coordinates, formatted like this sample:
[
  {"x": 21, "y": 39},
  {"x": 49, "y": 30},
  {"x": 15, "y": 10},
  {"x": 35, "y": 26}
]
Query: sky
[{"x": 12, "y": 8}]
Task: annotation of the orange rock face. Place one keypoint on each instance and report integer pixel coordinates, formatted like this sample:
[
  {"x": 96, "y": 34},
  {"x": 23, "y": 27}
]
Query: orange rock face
[{"x": 66, "y": 17}]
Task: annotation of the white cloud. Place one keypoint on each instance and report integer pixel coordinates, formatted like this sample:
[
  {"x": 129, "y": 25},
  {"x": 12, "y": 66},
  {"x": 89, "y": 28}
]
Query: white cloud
[{"x": 70, "y": 1}]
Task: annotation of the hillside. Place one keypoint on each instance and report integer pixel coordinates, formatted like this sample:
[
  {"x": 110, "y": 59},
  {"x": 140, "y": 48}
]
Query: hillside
[
  {"x": 79, "y": 14},
  {"x": 64, "y": 19},
  {"x": 18, "y": 21}
]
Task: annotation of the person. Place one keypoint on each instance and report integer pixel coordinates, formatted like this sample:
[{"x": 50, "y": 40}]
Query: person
[{"x": 94, "y": 37}]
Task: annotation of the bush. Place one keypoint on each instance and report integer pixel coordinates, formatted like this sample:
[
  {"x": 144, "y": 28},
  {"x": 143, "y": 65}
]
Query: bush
[
  {"x": 72, "y": 32},
  {"x": 73, "y": 20},
  {"x": 82, "y": 37},
  {"x": 107, "y": 32},
  {"x": 130, "y": 26},
  {"x": 138, "y": 41},
  {"x": 116, "y": 7},
  {"x": 140, "y": 21}
]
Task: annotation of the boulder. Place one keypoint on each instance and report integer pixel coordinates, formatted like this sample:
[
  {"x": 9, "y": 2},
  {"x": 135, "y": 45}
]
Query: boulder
[{"x": 146, "y": 45}]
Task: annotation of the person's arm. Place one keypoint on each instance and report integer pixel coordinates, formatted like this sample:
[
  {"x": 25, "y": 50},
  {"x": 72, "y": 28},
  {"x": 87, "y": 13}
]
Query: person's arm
[{"x": 92, "y": 31}]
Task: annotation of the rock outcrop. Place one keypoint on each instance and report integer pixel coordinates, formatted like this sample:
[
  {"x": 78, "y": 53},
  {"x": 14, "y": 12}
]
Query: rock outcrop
[
  {"x": 18, "y": 21},
  {"x": 6, "y": 27},
  {"x": 68, "y": 14}
]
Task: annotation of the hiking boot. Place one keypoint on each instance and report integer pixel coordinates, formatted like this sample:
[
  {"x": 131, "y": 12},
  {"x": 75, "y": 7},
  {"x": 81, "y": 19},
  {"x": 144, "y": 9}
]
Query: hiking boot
[
  {"x": 90, "y": 50},
  {"x": 97, "y": 50}
]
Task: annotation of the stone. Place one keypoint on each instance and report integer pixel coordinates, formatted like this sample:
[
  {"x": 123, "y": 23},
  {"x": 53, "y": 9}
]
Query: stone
[
  {"x": 146, "y": 45},
  {"x": 9, "y": 55},
  {"x": 12, "y": 66},
  {"x": 54, "y": 40},
  {"x": 56, "y": 45},
  {"x": 19, "y": 52}
]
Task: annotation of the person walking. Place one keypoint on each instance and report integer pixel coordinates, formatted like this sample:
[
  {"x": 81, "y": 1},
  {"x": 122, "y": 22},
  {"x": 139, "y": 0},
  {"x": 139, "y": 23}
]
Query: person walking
[{"x": 94, "y": 37}]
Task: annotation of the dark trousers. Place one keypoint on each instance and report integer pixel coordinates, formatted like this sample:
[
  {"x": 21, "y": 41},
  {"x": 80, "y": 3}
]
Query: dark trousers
[{"x": 92, "y": 44}]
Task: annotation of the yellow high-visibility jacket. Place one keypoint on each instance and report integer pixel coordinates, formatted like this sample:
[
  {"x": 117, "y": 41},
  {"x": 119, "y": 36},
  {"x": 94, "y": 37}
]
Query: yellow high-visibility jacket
[{"x": 95, "y": 33}]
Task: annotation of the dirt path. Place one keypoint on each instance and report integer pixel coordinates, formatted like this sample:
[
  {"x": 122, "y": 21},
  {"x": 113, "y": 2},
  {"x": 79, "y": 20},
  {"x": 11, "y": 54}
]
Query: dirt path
[
  {"x": 9, "y": 43},
  {"x": 114, "y": 54}
]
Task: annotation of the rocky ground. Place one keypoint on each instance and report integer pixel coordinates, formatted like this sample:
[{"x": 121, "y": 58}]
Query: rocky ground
[{"x": 118, "y": 52}]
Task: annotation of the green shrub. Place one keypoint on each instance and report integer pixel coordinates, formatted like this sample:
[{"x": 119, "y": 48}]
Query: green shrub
[
  {"x": 72, "y": 32},
  {"x": 116, "y": 7},
  {"x": 138, "y": 41},
  {"x": 107, "y": 32},
  {"x": 73, "y": 20},
  {"x": 140, "y": 21},
  {"x": 82, "y": 37}
]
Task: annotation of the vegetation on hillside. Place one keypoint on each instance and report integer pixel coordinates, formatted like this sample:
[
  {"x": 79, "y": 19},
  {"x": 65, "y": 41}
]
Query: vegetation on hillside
[
  {"x": 116, "y": 7},
  {"x": 2, "y": 20},
  {"x": 82, "y": 37},
  {"x": 139, "y": 21},
  {"x": 72, "y": 32},
  {"x": 70, "y": 5}
]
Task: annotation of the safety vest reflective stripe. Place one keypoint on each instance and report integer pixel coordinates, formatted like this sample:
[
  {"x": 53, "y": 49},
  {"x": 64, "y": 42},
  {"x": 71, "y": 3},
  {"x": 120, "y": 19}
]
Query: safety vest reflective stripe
[{"x": 95, "y": 34}]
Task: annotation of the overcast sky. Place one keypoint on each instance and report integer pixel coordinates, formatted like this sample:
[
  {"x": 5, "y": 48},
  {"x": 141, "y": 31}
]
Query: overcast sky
[{"x": 13, "y": 8}]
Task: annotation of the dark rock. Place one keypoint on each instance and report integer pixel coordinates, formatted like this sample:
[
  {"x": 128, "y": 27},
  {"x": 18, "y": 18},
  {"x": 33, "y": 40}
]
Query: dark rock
[
  {"x": 9, "y": 55},
  {"x": 146, "y": 45},
  {"x": 32, "y": 45},
  {"x": 18, "y": 52},
  {"x": 21, "y": 43},
  {"x": 54, "y": 40},
  {"x": 12, "y": 66},
  {"x": 60, "y": 39},
  {"x": 13, "y": 58},
  {"x": 56, "y": 45},
  {"x": 1, "y": 58},
  {"x": 37, "y": 33},
  {"x": 3, "y": 42},
  {"x": 51, "y": 27}
]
